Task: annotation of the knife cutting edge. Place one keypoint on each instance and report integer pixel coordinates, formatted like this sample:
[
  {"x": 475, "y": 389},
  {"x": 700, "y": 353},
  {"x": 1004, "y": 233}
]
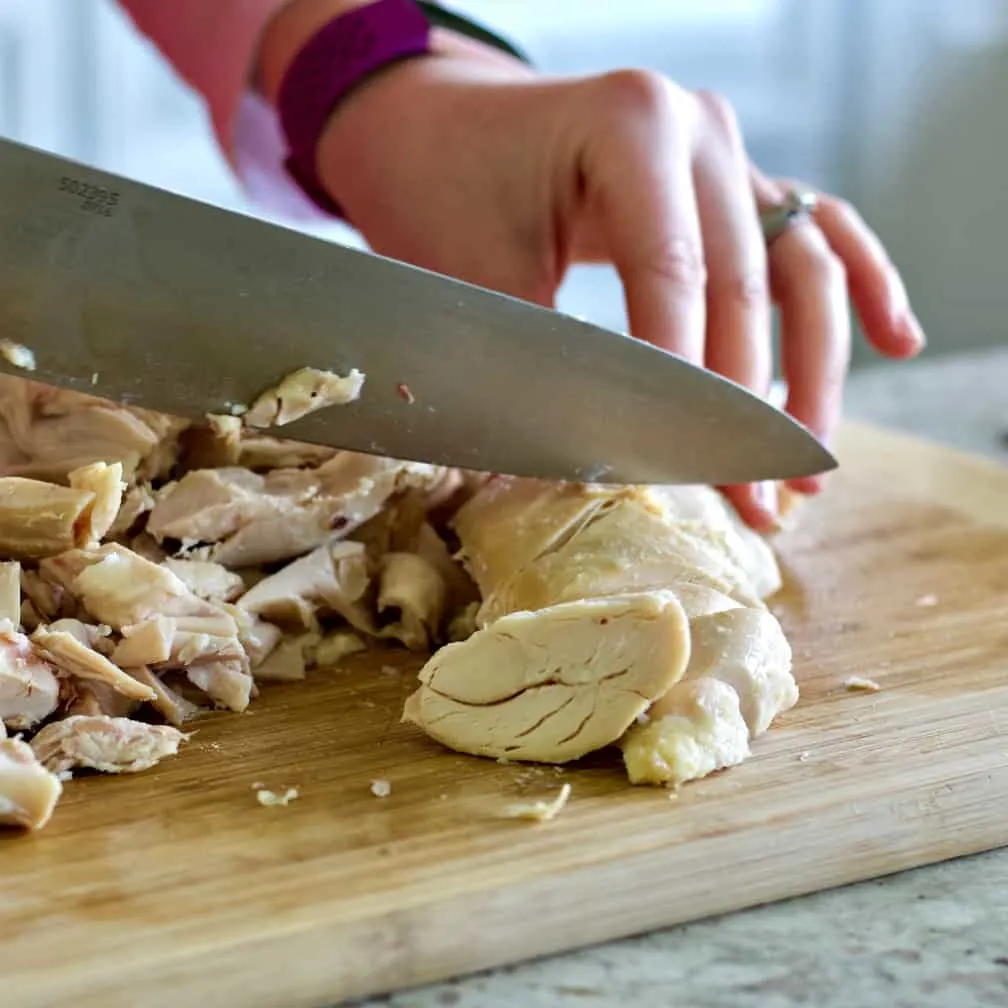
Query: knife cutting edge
[{"x": 145, "y": 297}]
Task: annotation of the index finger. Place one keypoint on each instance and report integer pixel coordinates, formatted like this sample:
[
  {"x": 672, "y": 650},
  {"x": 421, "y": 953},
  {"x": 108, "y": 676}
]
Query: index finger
[{"x": 640, "y": 177}]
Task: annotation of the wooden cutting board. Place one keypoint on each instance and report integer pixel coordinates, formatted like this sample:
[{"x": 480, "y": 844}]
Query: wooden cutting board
[{"x": 176, "y": 886}]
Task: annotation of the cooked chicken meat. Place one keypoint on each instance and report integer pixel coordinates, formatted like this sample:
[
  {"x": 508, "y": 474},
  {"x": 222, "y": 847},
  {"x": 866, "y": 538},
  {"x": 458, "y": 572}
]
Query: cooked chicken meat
[
  {"x": 553, "y": 685},
  {"x": 29, "y": 689},
  {"x": 302, "y": 392},
  {"x": 105, "y": 482},
  {"x": 113, "y": 745},
  {"x": 28, "y": 792},
  {"x": 10, "y": 592}
]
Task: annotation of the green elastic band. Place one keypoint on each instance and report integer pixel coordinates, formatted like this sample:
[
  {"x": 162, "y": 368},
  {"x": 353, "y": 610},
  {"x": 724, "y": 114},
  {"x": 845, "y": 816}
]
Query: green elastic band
[{"x": 441, "y": 18}]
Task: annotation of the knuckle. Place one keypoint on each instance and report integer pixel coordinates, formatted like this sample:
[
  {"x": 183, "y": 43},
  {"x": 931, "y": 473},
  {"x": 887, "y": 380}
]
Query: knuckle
[
  {"x": 644, "y": 93},
  {"x": 749, "y": 290},
  {"x": 680, "y": 264},
  {"x": 720, "y": 111}
]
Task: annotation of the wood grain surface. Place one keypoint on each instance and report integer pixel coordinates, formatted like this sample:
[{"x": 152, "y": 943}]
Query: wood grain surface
[{"x": 177, "y": 887}]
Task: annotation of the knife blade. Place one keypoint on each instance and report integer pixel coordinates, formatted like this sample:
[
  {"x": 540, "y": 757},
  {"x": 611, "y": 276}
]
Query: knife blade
[{"x": 149, "y": 298}]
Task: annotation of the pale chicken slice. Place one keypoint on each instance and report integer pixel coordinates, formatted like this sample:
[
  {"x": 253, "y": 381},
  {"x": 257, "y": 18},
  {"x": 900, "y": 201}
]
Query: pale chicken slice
[
  {"x": 112, "y": 745},
  {"x": 171, "y": 705},
  {"x": 45, "y": 432},
  {"x": 77, "y": 658},
  {"x": 511, "y": 522},
  {"x": 332, "y": 579},
  {"x": 553, "y": 685},
  {"x": 693, "y": 730},
  {"x": 705, "y": 513},
  {"x": 10, "y": 592},
  {"x": 530, "y": 544},
  {"x": 412, "y": 591},
  {"x": 106, "y": 483},
  {"x": 737, "y": 681},
  {"x": 88, "y": 696},
  {"x": 256, "y": 636},
  {"x": 302, "y": 392},
  {"x": 39, "y": 519},
  {"x": 747, "y": 650},
  {"x": 289, "y": 660},
  {"x": 29, "y": 689},
  {"x": 28, "y": 791},
  {"x": 120, "y": 588},
  {"x": 137, "y": 502},
  {"x": 206, "y": 579},
  {"x": 226, "y": 682}
]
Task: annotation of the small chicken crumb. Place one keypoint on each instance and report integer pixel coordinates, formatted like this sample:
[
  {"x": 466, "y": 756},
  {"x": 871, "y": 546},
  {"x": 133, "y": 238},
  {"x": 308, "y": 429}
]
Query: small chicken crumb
[
  {"x": 237, "y": 409},
  {"x": 803, "y": 756},
  {"x": 18, "y": 355},
  {"x": 64, "y": 775},
  {"x": 270, "y": 798},
  {"x": 539, "y": 811},
  {"x": 381, "y": 788},
  {"x": 927, "y": 601},
  {"x": 94, "y": 377},
  {"x": 405, "y": 393},
  {"x": 855, "y": 683}
]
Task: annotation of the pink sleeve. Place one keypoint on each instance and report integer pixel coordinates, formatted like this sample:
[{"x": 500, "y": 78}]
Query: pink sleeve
[{"x": 212, "y": 46}]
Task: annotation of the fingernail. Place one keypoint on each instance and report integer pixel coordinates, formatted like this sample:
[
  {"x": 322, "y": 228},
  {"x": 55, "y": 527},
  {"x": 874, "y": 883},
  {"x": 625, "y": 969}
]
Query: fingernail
[{"x": 912, "y": 331}]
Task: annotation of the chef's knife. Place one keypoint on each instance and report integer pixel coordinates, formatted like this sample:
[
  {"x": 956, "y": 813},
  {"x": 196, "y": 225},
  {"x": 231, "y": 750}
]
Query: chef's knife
[{"x": 142, "y": 296}]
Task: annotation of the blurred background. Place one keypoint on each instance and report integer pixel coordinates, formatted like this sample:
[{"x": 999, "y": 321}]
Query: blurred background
[{"x": 899, "y": 105}]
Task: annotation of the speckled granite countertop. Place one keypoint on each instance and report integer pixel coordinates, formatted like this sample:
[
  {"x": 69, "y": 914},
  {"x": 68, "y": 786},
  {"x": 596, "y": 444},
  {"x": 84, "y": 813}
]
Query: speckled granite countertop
[{"x": 937, "y": 936}]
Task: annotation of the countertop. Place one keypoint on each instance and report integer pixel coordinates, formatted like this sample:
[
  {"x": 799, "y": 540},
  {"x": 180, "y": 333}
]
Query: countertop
[{"x": 936, "y": 936}]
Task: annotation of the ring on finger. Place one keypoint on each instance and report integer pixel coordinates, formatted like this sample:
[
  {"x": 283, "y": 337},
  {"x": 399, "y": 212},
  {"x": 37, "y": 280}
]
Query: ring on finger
[{"x": 797, "y": 204}]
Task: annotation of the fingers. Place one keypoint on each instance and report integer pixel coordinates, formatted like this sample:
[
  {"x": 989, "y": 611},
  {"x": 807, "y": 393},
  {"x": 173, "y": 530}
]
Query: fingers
[
  {"x": 879, "y": 297},
  {"x": 637, "y": 169},
  {"x": 738, "y": 302},
  {"x": 810, "y": 286}
]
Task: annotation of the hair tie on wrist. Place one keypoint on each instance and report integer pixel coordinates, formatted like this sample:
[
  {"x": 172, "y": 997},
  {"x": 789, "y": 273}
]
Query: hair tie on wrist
[{"x": 335, "y": 60}]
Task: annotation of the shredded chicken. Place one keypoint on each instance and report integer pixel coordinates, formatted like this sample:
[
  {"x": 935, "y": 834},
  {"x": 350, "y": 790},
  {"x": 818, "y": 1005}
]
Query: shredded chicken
[
  {"x": 28, "y": 791},
  {"x": 29, "y": 689},
  {"x": 113, "y": 745},
  {"x": 302, "y": 392},
  {"x": 17, "y": 355}
]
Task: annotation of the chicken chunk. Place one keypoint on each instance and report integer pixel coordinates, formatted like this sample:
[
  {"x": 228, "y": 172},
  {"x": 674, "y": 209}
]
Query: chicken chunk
[
  {"x": 553, "y": 685},
  {"x": 693, "y": 730},
  {"x": 302, "y": 392},
  {"x": 112, "y": 745},
  {"x": 46, "y": 432},
  {"x": 330, "y": 579},
  {"x": 413, "y": 591},
  {"x": 28, "y": 791},
  {"x": 10, "y": 592},
  {"x": 206, "y": 579},
  {"x": 106, "y": 483},
  {"x": 38, "y": 519},
  {"x": 29, "y": 689}
]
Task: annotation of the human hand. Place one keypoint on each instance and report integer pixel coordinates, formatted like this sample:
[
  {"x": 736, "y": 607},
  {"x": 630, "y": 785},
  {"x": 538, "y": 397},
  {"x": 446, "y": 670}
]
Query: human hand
[{"x": 468, "y": 163}]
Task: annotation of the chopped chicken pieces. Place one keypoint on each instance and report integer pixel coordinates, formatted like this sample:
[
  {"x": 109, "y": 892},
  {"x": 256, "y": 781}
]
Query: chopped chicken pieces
[
  {"x": 28, "y": 791},
  {"x": 302, "y": 392},
  {"x": 113, "y": 745},
  {"x": 540, "y": 811},
  {"x": 29, "y": 689},
  {"x": 155, "y": 566}
]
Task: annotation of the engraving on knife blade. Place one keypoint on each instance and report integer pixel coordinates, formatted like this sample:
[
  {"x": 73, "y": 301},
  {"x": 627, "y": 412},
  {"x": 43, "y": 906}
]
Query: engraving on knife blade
[{"x": 93, "y": 199}]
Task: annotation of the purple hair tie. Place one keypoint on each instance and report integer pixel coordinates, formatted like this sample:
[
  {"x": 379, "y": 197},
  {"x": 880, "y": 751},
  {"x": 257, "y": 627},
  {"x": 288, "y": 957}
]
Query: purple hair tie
[{"x": 334, "y": 61}]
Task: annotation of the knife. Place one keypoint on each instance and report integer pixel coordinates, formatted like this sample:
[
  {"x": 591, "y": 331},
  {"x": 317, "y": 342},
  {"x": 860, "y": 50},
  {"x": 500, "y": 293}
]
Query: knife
[{"x": 142, "y": 296}]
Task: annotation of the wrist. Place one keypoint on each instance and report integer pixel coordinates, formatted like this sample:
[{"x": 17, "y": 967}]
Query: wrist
[{"x": 288, "y": 32}]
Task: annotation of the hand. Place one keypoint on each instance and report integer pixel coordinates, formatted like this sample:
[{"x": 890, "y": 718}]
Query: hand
[{"x": 469, "y": 164}]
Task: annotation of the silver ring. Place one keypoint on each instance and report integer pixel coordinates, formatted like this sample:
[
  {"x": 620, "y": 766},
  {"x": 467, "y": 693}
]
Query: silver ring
[{"x": 797, "y": 204}]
